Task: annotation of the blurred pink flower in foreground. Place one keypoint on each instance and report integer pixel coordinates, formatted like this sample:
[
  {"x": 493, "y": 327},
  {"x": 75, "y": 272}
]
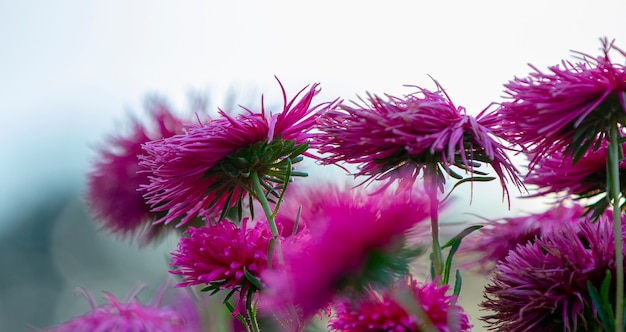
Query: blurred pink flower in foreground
[
  {"x": 210, "y": 168},
  {"x": 132, "y": 315},
  {"x": 498, "y": 237},
  {"x": 542, "y": 286},
  {"x": 355, "y": 239},
  {"x": 114, "y": 181},
  {"x": 398, "y": 138},
  {"x": 568, "y": 107},
  {"x": 376, "y": 311}
]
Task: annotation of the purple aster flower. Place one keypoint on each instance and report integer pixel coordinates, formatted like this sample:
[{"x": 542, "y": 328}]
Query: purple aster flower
[
  {"x": 382, "y": 311},
  {"x": 114, "y": 181},
  {"x": 211, "y": 167},
  {"x": 132, "y": 315},
  {"x": 542, "y": 286},
  {"x": 355, "y": 239},
  {"x": 558, "y": 174},
  {"x": 396, "y": 138},
  {"x": 218, "y": 255},
  {"x": 567, "y": 108},
  {"x": 497, "y": 237}
]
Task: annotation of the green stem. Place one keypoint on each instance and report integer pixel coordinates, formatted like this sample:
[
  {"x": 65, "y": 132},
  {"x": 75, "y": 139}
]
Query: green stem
[
  {"x": 431, "y": 191},
  {"x": 614, "y": 186},
  {"x": 259, "y": 194},
  {"x": 251, "y": 309}
]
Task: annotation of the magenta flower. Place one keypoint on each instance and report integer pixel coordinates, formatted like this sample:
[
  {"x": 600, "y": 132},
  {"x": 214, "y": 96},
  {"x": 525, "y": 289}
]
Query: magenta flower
[
  {"x": 397, "y": 138},
  {"x": 542, "y": 286},
  {"x": 355, "y": 239},
  {"x": 567, "y": 108},
  {"x": 114, "y": 181},
  {"x": 498, "y": 237},
  {"x": 218, "y": 256},
  {"x": 376, "y": 311},
  {"x": 212, "y": 167},
  {"x": 132, "y": 315},
  {"x": 558, "y": 174}
]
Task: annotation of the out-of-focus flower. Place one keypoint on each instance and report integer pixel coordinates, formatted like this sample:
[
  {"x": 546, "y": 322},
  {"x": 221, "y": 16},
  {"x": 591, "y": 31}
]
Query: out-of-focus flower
[
  {"x": 384, "y": 311},
  {"x": 114, "y": 181},
  {"x": 212, "y": 167},
  {"x": 132, "y": 315},
  {"x": 497, "y": 237},
  {"x": 356, "y": 239},
  {"x": 558, "y": 174},
  {"x": 567, "y": 108},
  {"x": 397, "y": 138},
  {"x": 219, "y": 255},
  {"x": 542, "y": 286}
]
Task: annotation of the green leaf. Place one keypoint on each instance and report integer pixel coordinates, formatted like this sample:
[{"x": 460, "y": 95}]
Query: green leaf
[
  {"x": 454, "y": 245},
  {"x": 458, "y": 282},
  {"x": 252, "y": 279}
]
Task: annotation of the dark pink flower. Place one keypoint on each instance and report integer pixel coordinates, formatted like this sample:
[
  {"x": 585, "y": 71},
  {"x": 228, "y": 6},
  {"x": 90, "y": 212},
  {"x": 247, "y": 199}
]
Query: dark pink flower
[
  {"x": 217, "y": 255},
  {"x": 558, "y": 174},
  {"x": 209, "y": 168},
  {"x": 568, "y": 107},
  {"x": 542, "y": 286},
  {"x": 114, "y": 181},
  {"x": 493, "y": 242},
  {"x": 132, "y": 315},
  {"x": 354, "y": 239},
  {"x": 396, "y": 138},
  {"x": 382, "y": 311}
]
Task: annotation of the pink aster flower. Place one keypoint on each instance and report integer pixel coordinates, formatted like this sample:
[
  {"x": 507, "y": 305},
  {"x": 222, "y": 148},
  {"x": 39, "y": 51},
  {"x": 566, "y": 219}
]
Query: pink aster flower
[
  {"x": 212, "y": 166},
  {"x": 558, "y": 174},
  {"x": 114, "y": 181},
  {"x": 498, "y": 237},
  {"x": 218, "y": 255},
  {"x": 397, "y": 138},
  {"x": 568, "y": 107},
  {"x": 354, "y": 240},
  {"x": 132, "y": 315},
  {"x": 542, "y": 286},
  {"x": 382, "y": 311}
]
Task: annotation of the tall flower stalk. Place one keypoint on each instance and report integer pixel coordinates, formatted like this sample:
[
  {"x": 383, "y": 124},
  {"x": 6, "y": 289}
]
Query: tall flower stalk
[{"x": 614, "y": 157}]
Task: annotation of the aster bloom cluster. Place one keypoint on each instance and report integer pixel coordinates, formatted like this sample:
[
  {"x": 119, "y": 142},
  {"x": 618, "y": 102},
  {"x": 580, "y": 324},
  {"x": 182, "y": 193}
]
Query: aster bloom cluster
[{"x": 344, "y": 254}]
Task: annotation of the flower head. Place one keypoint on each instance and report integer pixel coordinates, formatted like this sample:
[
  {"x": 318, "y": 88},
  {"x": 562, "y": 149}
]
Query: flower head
[
  {"x": 384, "y": 311},
  {"x": 114, "y": 181},
  {"x": 397, "y": 138},
  {"x": 355, "y": 239},
  {"x": 558, "y": 174},
  {"x": 493, "y": 242},
  {"x": 221, "y": 254},
  {"x": 212, "y": 167},
  {"x": 542, "y": 286},
  {"x": 567, "y": 108},
  {"x": 132, "y": 315}
]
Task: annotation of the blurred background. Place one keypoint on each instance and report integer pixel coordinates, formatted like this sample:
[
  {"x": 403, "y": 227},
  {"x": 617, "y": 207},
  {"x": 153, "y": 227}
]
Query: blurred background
[{"x": 73, "y": 72}]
